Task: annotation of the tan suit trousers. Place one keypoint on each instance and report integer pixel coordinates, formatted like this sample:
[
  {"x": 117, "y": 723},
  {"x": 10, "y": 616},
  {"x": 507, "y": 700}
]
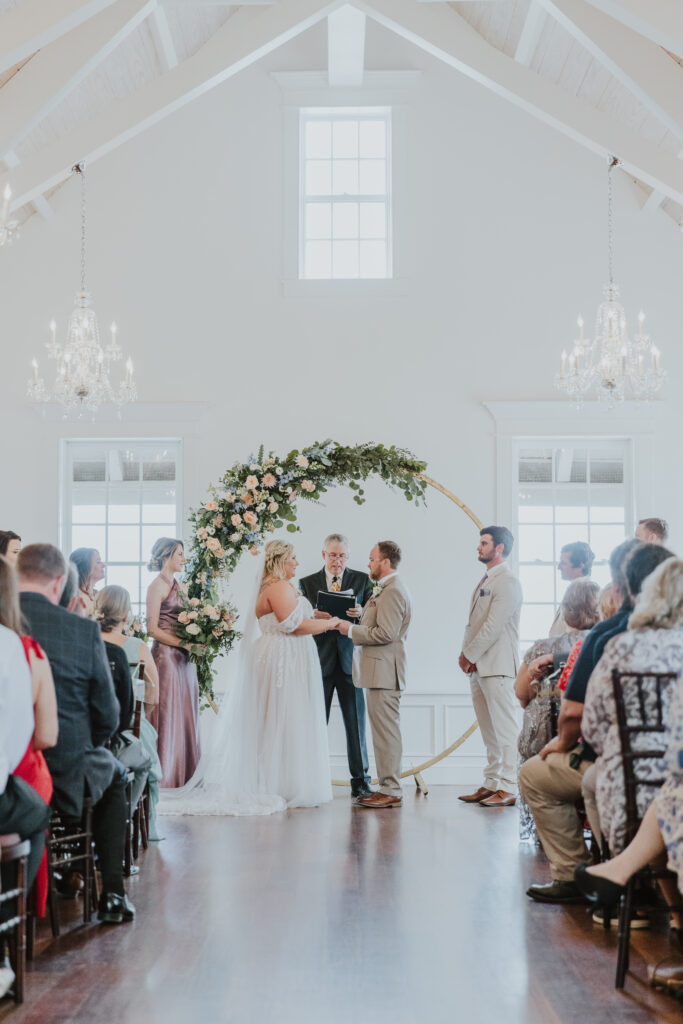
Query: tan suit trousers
[
  {"x": 551, "y": 789},
  {"x": 383, "y": 712}
]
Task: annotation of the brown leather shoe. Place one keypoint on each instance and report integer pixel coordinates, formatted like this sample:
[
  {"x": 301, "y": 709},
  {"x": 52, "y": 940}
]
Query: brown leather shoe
[
  {"x": 475, "y": 798},
  {"x": 499, "y": 799},
  {"x": 378, "y": 801}
]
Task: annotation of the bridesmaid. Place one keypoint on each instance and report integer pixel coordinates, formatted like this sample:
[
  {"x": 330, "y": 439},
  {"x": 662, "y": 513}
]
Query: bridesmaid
[
  {"x": 177, "y": 717},
  {"x": 91, "y": 569}
]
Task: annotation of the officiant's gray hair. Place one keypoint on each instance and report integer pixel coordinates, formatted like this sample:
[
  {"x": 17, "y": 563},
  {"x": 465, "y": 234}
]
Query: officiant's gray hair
[{"x": 335, "y": 538}]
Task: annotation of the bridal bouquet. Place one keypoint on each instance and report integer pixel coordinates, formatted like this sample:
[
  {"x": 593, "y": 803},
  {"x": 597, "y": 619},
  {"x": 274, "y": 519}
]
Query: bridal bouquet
[
  {"x": 135, "y": 627},
  {"x": 207, "y": 630}
]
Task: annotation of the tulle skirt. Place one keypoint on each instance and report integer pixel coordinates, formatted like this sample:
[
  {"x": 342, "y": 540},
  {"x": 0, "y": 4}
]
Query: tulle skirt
[{"x": 270, "y": 747}]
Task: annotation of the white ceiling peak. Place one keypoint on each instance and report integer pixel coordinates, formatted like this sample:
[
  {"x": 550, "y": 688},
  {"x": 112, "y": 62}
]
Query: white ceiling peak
[{"x": 346, "y": 46}]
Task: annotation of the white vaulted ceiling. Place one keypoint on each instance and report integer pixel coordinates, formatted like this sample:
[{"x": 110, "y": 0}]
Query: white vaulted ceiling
[{"x": 80, "y": 77}]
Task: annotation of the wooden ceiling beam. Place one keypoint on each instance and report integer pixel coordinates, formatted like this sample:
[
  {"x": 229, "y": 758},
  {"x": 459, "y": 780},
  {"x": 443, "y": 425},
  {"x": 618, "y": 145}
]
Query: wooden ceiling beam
[
  {"x": 444, "y": 34},
  {"x": 35, "y": 23},
  {"x": 59, "y": 67}
]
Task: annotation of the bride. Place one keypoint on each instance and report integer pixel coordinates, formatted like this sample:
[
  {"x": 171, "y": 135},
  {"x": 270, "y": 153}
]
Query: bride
[{"x": 270, "y": 747}]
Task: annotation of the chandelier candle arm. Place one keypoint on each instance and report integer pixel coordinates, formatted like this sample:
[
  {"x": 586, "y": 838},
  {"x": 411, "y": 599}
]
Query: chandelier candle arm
[
  {"x": 9, "y": 229},
  {"x": 83, "y": 364}
]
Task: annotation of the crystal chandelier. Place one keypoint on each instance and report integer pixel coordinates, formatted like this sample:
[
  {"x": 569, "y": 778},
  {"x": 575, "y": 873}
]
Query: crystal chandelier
[
  {"x": 9, "y": 229},
  {"x": 612, "y": 365},
  {"x": 83, "y": 361}
]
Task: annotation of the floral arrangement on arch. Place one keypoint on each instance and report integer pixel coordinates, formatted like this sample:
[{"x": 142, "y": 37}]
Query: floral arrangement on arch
[{"x": 252, "y": 500}]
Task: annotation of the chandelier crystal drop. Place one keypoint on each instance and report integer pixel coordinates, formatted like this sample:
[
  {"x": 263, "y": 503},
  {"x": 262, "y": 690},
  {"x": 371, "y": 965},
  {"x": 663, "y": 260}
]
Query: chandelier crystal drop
[
  {"x": 83, "y": 381},
  {"x": 9, "y": 229},
  {"x": 611, "y": 365}
]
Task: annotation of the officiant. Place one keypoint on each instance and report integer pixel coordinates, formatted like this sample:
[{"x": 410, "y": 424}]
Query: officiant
[{"x": 336, "y": 652}]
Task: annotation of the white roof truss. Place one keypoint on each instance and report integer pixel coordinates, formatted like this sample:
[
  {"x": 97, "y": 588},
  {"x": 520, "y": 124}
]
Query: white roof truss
[
  {"x": 658, "y": 20},
  {"x": 35, "y": 23},
  {"x": 346, "y": 46}
]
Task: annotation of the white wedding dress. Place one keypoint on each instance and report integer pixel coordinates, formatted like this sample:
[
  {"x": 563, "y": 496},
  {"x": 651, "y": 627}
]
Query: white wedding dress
[{"x": 270, "y": 747}]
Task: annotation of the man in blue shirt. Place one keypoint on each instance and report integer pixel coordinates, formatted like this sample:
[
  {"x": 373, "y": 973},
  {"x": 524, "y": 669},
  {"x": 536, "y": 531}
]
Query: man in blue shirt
[{"x": 551, "y": 782}]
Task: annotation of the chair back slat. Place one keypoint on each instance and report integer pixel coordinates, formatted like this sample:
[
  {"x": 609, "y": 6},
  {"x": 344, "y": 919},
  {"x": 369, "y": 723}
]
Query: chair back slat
[{"x": 646, "y": 715}]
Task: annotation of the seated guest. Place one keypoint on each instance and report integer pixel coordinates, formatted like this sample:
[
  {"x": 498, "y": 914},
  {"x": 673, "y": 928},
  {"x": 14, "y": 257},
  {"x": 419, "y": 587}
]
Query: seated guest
[
  {"x": 22, "y": 811},
  {"x": 579, "y": 613},
  {"x": 112, "y": 608},
  {"x": 70, "y": 596},
  {"x": 10, "y": 545},
  {"x": 660, "y": 834},
  {"x": 652, "y": 531},
  {"x": 576, "y": 561},
  {"x": 91, "y": 569},
  {"x": 551, "y": 781},
  {"x": 653, "y": 642},
  {"x": 32, "y": 768},
  {"x": 88, "y": 713}
]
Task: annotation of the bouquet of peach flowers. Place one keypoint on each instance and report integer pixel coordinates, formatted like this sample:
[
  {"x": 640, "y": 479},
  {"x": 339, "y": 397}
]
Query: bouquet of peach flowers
[{"x": 207, "y": 630}]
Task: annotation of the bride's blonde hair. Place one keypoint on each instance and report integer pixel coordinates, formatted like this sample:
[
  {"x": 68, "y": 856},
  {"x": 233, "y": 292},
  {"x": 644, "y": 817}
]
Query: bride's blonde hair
[{"x": 277, "y": 552}]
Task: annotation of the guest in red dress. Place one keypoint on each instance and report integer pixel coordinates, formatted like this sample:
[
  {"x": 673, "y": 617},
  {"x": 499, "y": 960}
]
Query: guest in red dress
[{"x": 32, "y": 768}]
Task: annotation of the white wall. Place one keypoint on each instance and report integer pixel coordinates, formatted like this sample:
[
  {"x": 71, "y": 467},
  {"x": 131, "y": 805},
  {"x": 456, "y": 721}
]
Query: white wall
[{"x": 506, "y": 230}]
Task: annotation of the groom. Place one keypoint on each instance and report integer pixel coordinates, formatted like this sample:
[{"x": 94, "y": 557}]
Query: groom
[
  {"x": 381, "y": 669},
  {"x": 336, "y": 654}
]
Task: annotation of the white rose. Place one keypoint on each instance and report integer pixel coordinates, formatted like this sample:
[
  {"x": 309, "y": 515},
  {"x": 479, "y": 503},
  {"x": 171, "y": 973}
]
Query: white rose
[{"x": 193, "y": 629}]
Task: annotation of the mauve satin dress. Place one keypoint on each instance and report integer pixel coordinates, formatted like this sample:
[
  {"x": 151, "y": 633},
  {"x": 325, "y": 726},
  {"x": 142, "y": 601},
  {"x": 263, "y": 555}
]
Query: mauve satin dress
[{"x": 177, "y": 717}]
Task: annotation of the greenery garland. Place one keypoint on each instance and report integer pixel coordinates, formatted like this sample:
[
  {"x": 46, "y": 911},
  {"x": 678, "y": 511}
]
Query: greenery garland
[{"x": 252, "y": 500}]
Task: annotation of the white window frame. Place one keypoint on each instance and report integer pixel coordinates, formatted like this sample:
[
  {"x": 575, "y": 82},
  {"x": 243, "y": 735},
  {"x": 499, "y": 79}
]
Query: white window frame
[
  {"x": 364, "y": 113},
  {"x": 310, "y": 89},
  {"x": 73, "y": 448}
]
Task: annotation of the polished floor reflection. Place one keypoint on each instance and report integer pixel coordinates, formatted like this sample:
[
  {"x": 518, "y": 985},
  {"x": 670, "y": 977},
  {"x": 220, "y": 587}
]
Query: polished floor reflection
[{"x": 340, "y": 915}]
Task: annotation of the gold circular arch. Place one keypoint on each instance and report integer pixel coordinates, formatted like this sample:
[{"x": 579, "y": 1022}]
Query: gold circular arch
[{"x": 416, "y": 771}]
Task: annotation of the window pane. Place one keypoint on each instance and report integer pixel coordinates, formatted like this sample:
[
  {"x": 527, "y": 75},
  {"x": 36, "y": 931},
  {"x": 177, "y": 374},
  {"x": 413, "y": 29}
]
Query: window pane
[
  {"x": 605, "y": 538},
  {"x": 345, "y": 178},
  {"x": 537, "y": 582},
  {"x": 124, "y": 544},
  {"x": 571, "y": 513},
  {"x": 88, "y": 514},
  {"x": 162, "y": 468},
  {"x": 124, "y": 513},
  {"x": 345, "y": 259},
  {"x": 87, "y": 471},
  {"x": 373, "y": 259},
  {"x": 536, "y": 543},
  {"x": 161, "y": 513},
  {"x": 536, "y": 620},
  {"x": 318, "y": 259},
  {"x": 535, "y": 513},
  {"x": 345, "y": 220},
  {"x": 536, "y": 466},
  {"x": 318, "y": 177},
  {"x": 318, "y": 139},
  {"x": 345, "y": 139},
  {"x": 607, "y": 513},
  {"x": 373, "y": 138},
  {"x": 570, "y": 465},
  {"x": 607, "y": 468},
  {"x": 373, "y": 177},
  {"x": 568, "y": 534},
  {"x": 318, "y": 220},
  {"x": 151, "y": 534},
  {"x": 88, "y": 537},
  {"x": 127, "y": 576},
  {"x": 373, "y": 220}
]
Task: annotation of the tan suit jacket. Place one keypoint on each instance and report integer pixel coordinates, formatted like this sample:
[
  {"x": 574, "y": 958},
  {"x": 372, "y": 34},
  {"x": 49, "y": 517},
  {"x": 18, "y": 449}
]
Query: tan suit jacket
[
  {"x": 491, "y": 639},
  {"x": 381, "y": 636}
]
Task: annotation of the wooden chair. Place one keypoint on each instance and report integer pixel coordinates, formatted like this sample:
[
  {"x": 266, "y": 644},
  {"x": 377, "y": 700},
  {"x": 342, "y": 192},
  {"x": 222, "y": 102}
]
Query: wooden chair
[
  {"x": 652, "y": 688},
  {"x": 70, "y": 844},
  {"x": 141, "y": 812},
  {"x": 14, "y": 851}
]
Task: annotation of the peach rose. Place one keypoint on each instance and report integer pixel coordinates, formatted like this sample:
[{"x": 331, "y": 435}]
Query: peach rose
[
  {"x": 235, "y": 520},
  {"x": 307, "y": 485},
  {"x": 202, "y": 533},
  {"x": 211, "y": 506},
  {"x": 214, "y": 545},
  {"x": 251, "y": 483},
  {"x": 184, "y": 618},
  {"x": 250, "y": 518},
  {"x": 269, "y": 480},
  {"x": 273, "y": 506},
  {"x": 247, "y": 499},
  {"x": 195, "y": 602},
  {"x": 193, "y": 615},
  {"x": 302, "y": 461},
  {"x": 210, "y": 612},
  {"x": 217, "y": 521}
]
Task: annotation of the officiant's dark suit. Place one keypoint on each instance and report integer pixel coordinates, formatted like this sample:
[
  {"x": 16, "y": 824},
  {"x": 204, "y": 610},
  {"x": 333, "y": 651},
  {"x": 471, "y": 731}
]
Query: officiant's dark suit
[{"x": 336, "y": 662}]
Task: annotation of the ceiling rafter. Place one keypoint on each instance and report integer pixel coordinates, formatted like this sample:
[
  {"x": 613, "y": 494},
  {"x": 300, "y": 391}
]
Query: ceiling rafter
[
  {"x": 59, "y": 67},
  {"x": 446, "y": 35},
  {"x": 658, "y": 20},
  {"x": 531, "y": 34},
  {"x": 35, "y": 23},
  {"x": 247, "y": 36}
]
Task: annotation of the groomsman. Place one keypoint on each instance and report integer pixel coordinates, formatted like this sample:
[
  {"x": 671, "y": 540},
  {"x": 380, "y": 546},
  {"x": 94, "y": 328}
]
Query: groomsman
[
  {"x": 381, "y": 668},
  {"x": 336, "y": 654},
  {"x": 490, "y": 657}
]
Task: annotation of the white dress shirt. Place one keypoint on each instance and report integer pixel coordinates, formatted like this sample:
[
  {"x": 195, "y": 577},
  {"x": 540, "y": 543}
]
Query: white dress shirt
[{"x": 16, "y": 704}]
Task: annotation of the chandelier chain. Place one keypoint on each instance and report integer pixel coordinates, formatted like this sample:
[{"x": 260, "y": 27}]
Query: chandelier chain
[
  {"x": 80, "y": 169},
  {"x": 613, "y": 162}
]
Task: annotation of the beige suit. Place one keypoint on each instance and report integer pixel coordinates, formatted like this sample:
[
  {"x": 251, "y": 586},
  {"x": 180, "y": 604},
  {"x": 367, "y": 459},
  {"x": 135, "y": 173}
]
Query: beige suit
[
  {"x": 381, "y": 670},
  {"x": 491, "y": 643}
]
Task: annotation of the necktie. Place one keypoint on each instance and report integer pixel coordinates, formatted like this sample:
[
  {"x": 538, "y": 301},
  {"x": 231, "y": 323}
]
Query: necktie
[
  {"x": 336, "y": 585},
  {"x": 480, "y": 584}
]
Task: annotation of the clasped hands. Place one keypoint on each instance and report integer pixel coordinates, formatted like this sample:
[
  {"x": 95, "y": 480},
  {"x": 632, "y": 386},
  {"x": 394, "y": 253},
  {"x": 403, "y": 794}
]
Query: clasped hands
[{"x": 340, "y": 624}]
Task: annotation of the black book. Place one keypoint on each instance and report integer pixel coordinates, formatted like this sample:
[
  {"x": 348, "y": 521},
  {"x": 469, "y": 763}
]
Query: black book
[{"x": 336, "y": 604}]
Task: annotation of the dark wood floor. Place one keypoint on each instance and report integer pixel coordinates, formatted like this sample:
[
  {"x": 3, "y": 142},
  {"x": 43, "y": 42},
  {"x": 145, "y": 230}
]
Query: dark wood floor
[{"x": 343, "y": 916}]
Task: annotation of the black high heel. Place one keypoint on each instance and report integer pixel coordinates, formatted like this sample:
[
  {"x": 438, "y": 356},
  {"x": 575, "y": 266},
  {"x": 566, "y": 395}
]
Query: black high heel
[{"x": 597, "y": 889}]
